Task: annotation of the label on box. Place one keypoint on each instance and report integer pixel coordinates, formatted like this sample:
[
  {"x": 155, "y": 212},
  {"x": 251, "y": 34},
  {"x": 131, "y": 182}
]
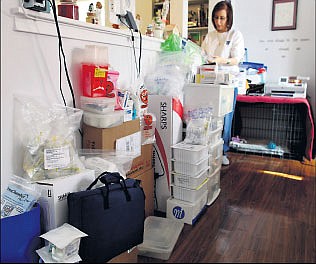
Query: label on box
[
  {"x": 15, "y": 201},
  {"x": 56, "y": 157},
  {"x": 130, "y": 143}
]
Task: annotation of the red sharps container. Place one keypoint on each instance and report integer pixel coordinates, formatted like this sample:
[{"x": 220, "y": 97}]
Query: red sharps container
[{"x": 94, "y": 72}]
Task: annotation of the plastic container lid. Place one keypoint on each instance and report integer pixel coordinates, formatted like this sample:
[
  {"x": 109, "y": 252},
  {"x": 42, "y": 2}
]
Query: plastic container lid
[{"x": 161, "y": 233}]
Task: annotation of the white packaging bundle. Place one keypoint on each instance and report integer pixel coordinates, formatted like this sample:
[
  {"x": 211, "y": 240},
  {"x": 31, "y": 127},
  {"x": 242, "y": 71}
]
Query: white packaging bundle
[{"x": 64, "y": 242}]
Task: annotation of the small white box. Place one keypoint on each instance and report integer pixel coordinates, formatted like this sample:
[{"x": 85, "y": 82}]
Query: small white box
[
  {"x": 215, "y": 155},
  {"x": 185, "y": 211},
  {"x": 53, "y": 200},
  {"x": 213, "y": 186},
  {"x": 190, "y": 169},
  {"x": 189, "y": 195},
  {"x": 191, "y": 153},
  {"x": 219, "y": 97},
  {"x": 189, "y": 181}
]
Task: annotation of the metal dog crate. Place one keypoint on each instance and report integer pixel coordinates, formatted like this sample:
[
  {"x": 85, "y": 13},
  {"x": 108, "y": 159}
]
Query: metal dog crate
[{"x": 261, "y": 123}]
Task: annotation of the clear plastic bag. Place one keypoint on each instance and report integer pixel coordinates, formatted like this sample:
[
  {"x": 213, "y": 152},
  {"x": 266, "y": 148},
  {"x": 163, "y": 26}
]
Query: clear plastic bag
[
  {"x": 101, "y": 160},
  {"x": 197, "y": 131},
  {"x": 199, "y": 122},
  {"x": 49, "y": 142},
  {"x": 19, "y": 197}
]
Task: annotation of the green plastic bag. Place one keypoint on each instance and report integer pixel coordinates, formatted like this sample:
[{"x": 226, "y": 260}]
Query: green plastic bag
[{"x": 173, "y": 43}]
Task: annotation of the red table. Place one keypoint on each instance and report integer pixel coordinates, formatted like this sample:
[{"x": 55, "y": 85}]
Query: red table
[{"x": 282, "y": 100}]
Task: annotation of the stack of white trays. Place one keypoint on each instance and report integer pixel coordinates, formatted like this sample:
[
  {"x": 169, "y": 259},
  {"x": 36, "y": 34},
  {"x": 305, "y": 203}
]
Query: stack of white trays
[
  {"x": 189, "y": 180},
  {"x": 215, "y": 152}
]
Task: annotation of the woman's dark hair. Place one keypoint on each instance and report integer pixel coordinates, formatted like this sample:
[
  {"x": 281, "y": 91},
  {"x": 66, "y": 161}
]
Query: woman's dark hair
[{"x": 229, "y": 10}]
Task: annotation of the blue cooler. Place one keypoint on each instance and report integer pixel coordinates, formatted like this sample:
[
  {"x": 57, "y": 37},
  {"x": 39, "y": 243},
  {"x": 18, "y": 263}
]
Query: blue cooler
[{"x": 20, "y": 237}]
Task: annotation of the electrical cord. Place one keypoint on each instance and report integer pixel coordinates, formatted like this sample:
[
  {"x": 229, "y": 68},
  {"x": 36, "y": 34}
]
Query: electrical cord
[
  {"x": 159, "y": 175},
  {"x": 61, "y": 49},
  {"x": 140, "y": 50},
  {"x": 133, "y": 44}
]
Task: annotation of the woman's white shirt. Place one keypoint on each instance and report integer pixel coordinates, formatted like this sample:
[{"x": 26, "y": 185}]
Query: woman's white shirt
[{"x": 227, "y": 45}]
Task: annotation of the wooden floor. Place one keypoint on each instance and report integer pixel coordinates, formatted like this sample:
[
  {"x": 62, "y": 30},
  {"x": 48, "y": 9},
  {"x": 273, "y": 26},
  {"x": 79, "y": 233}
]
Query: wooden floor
[{"x": 257, "y": 218}]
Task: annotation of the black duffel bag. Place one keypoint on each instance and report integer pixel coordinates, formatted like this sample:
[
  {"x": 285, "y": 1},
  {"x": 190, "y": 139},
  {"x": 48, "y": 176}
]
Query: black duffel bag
[{"x": 112, "y": 216}]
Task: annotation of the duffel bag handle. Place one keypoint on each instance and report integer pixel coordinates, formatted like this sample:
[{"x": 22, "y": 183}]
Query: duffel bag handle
[
  {"x": 115, "y": 177},
  {"x": 111, "y": 177}
]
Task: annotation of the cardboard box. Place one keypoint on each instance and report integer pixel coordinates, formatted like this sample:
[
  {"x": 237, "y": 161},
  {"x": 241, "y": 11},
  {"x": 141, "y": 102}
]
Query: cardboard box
[
  {"x": 141, "y": 163},
  {"x": 186, "y": 212},
  {"x": 147, "y": 183},
  {"x": 168, "y": 112},
  {"x": 129, "y": 256},
  {"x": 97, "y": 138},
  {"x": 53, "y": 200}
]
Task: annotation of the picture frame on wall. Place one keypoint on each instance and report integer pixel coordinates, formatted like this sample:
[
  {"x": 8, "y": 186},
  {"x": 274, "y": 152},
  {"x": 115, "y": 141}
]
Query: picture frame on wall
[{"x": 284, "y": 14}]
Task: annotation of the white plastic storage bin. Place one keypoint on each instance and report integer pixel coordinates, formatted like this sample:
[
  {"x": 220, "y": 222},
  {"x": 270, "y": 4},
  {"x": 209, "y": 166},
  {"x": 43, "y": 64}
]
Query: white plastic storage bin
[
  {"x": 191, "y": 153},
  {"x": 108, "y": 120},
  {"x": 213, "y": 186},
  {"x": 190, "y": 169},
  {"x": 189, "y": 195},
  {"x": 100, "y": 105},
  {"x": 214, "y": 136},
  {"x": 217, "y": 122},
  {"x": 189, "y": 181},
  {"x": 219, "y": 97},
  {"x": 160, "y": 237},
  {"x": 215, "y": 155},
  {"x": 186, "y": 212}
]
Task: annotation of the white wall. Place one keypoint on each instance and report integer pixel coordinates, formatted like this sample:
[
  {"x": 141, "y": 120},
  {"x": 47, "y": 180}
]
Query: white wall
[
  {"x": 285, "y": 52},
  {"x": 30, "y": 66}
]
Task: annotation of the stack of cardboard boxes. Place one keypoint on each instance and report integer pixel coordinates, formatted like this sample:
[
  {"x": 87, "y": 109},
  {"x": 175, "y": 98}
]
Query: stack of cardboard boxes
[{"x": 141, "y": 169}]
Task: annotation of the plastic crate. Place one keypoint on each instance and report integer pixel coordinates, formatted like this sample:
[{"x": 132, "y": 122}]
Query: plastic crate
[
  {"x": 213, "y": 185},
  {"x": 160, "y": 236},
  {"x": 189, "y": 169},
  {"x": 217, "y": 122},
  {"x": 215, "y": 155},
  {"x": 188, "y": 181},
  {"x": 189, "y": 195},
  {"x": 191, "y": 153},
  {"x": 214, "y": 136}
]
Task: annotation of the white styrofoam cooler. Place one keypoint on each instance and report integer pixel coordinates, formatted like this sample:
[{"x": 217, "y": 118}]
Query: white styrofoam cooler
[
  {"x": 219, "y": 97},
  {"x": 54, "y": 192},
  {"x": 186, "y": 212}
]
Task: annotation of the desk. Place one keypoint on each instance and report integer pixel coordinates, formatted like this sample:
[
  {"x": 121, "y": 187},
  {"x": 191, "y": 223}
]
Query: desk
[{"x": 285, "y": 121}]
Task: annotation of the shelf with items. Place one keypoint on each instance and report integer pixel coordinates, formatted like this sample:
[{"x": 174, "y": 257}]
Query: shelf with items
[
  {"x": 198, "y": 20},
  {"x": 158, "y": 10}
]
